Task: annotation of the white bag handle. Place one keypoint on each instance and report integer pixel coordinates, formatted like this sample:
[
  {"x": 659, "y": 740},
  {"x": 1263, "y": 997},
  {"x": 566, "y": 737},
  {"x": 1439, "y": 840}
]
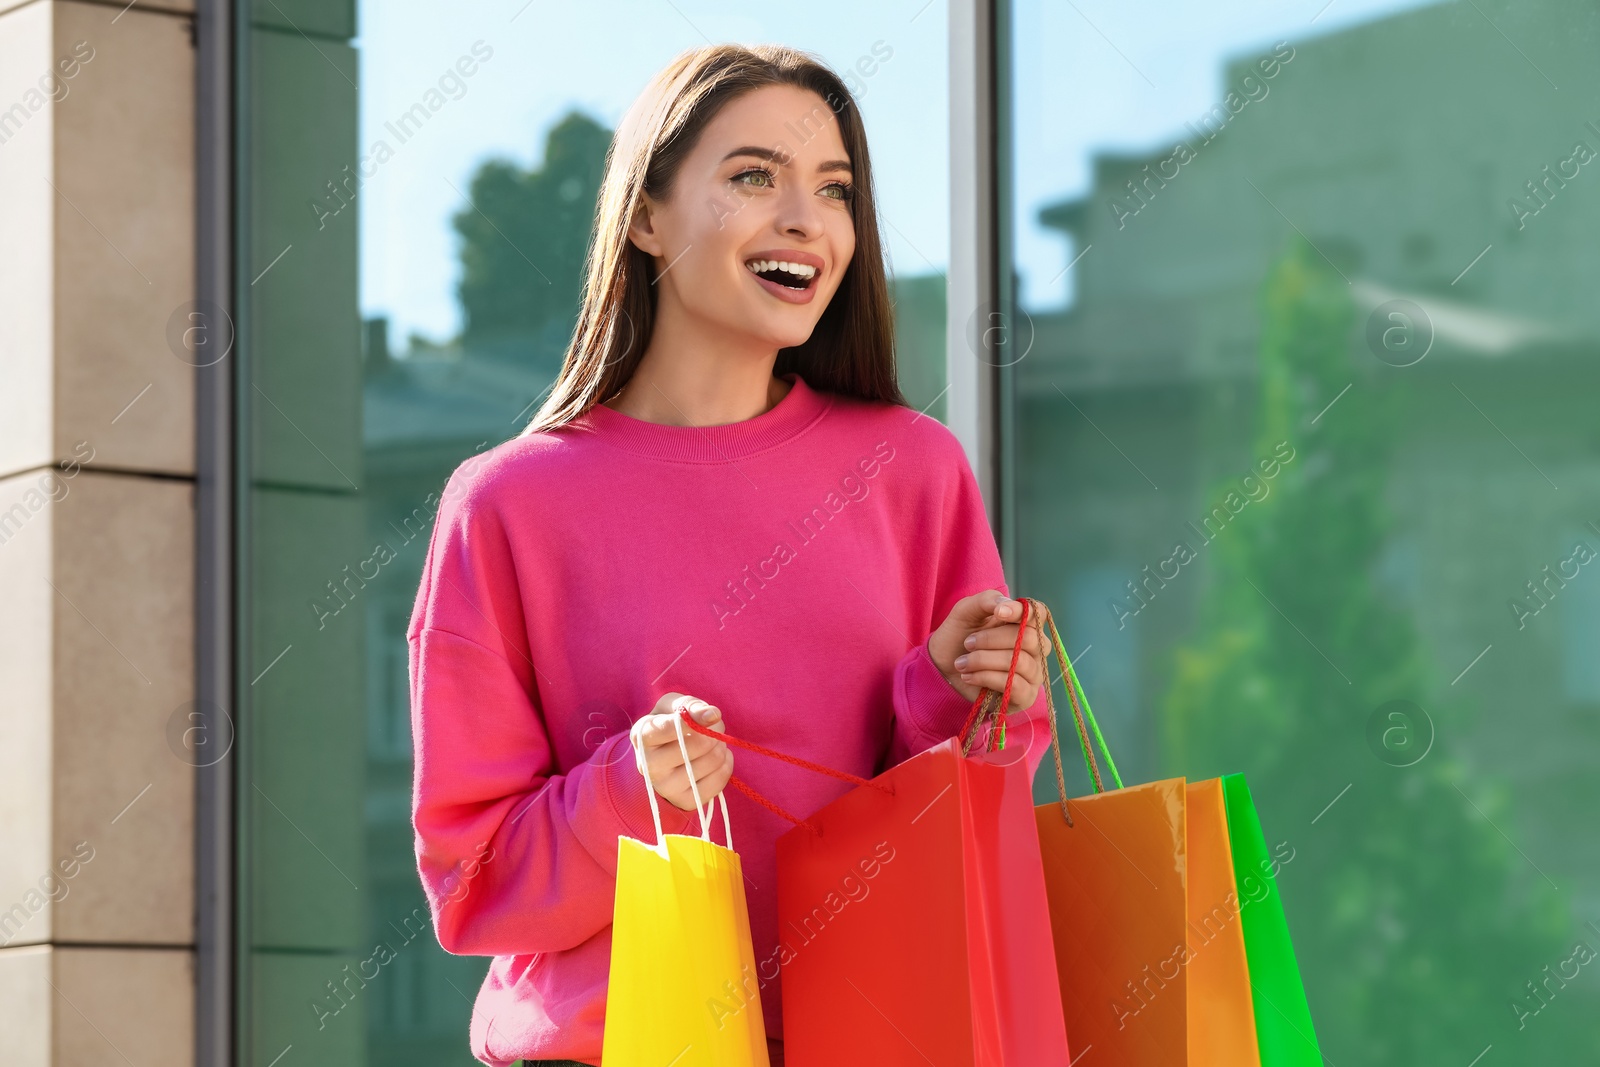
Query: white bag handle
[{"x": 694, "y": 787}]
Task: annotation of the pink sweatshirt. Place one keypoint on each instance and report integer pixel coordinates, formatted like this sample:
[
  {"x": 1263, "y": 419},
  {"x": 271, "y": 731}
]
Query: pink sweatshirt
[{"x": 788, "y": 569}]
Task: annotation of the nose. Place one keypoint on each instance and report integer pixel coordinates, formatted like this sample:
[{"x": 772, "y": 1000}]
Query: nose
[{"x": 799, "y": 214}]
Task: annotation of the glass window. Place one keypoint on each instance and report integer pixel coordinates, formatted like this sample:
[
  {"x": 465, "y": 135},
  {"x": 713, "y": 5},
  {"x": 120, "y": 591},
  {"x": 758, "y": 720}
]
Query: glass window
[
  {"x": 1307, "y": 455},
  {"x": 417, "y": 186}
]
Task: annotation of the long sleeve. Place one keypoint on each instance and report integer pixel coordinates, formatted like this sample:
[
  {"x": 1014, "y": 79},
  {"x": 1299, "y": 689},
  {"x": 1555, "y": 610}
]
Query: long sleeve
[
  {"x": 964, "y": 560},
  {"x": 515, "y": 856},
  {"x": 577, "y": 574}
]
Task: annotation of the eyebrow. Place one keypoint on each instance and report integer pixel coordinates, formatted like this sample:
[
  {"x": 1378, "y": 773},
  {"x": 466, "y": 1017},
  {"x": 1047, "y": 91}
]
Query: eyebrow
[{"x": 772, "y": 156}]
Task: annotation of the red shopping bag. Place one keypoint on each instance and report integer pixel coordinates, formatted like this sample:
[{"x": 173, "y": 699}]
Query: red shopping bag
[{"x": 913, "y": 918}]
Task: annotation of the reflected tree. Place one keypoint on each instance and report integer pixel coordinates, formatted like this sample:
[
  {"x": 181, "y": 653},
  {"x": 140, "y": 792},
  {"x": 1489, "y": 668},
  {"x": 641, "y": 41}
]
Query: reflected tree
[
  {"x": 1418, "y": 925},
  {"x": 526, "y": 233}
]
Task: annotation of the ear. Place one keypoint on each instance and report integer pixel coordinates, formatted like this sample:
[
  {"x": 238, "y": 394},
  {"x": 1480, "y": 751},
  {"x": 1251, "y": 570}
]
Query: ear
[{"x": 641, "y": 228}]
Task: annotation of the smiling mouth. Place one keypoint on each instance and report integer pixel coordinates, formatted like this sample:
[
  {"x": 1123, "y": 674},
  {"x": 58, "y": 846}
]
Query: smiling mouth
[{"x": 796, "y": 276}]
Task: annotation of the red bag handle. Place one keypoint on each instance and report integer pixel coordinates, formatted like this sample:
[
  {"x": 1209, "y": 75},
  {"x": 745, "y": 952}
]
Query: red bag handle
[
  {"x": 985, "y": 697},
  {"x": 734, "y": 780},
  {"x": 1045, "y": 619}
]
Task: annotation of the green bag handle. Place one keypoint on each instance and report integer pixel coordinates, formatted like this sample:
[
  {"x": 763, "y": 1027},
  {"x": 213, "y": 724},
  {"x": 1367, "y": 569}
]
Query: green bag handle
[
  {"x": 986, "y": 708},
  {"x": 1082, "y": 714}
]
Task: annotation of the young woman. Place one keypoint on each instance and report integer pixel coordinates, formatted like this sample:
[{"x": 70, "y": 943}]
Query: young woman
[{"x": 724, "y": 500}]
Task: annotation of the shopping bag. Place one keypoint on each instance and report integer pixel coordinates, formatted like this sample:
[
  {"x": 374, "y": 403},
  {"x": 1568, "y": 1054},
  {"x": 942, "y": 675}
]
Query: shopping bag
[
  {"x": 1221, "y": 1020},
  {"x": 1283, "y": 1017},
  {"x": 913, "y": 918},
  {"x": 1152, "y": 922},
  {"x": 680, "y": 940}
]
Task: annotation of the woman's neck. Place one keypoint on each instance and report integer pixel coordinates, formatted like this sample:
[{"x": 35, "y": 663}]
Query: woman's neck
[{"x": 690, "y": 396}]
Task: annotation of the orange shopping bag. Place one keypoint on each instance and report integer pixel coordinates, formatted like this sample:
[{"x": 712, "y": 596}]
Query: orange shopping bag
[{"x": 1143, "y": 910}]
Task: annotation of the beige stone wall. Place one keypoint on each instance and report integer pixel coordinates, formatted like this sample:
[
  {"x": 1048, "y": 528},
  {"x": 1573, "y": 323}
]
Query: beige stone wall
[{"x": 96, "y": 533}]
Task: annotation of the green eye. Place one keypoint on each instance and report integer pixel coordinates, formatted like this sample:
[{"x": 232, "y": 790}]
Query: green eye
[{"x": 844, "y": 192}]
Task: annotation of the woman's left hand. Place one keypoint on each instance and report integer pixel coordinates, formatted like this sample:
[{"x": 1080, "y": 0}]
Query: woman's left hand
[{"x": 981, "y": 632}]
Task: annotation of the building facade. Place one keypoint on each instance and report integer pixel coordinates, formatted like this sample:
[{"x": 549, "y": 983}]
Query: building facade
[{"x": 1267, "y": 332}]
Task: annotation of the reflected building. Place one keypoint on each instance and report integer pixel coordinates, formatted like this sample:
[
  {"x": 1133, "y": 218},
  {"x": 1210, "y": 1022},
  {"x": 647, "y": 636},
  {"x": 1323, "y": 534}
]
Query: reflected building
[
  {"x": 1443, "y": 189},
  {"x": 1160, "y": 346}
]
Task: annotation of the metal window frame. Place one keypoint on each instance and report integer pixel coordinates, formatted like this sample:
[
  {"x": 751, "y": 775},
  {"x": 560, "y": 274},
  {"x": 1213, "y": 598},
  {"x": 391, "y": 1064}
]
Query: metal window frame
[
  {"x": 216, "y": 126},
  {"x": 977, "y": 308},
  {"x": 980, "y": 401}
]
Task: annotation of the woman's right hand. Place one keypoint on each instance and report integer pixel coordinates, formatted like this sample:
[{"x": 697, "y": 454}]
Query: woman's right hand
[{"x": 655, "y": 739}]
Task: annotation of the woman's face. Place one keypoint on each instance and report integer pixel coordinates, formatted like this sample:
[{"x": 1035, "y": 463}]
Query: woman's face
[{"x": 769, "y": 180}]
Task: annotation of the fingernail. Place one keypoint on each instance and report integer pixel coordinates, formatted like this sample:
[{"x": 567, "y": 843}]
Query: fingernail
[
  {"x": 971, "y": 641},
  {"x": 961, "y": 661}
]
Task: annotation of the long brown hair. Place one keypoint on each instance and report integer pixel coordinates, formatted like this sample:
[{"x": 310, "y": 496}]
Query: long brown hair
[{"x": 851, "y": 349}]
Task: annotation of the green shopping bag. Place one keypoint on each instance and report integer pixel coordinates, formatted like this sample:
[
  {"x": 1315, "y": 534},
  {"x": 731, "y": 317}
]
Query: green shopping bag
[{"x": 1284, "y": 1031}]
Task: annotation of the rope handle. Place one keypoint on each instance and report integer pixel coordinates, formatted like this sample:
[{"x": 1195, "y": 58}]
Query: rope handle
[
  {"x": 694, "y": 787},
  {"x": 986, "y": 707},
  {"x": 1083, "y": 719},
  {"x": 763, "y": 750},
  {"x": 1076, "y": 694}
]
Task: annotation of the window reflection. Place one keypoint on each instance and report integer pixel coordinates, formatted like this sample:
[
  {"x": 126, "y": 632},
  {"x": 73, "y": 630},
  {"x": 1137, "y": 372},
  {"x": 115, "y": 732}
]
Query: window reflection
[
  {"x": 406, "y": 313},
  {"x": 1315, "y": 258}
]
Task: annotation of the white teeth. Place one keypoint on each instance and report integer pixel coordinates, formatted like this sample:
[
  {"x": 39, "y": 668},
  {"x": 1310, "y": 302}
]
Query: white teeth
[{"x": 799, "y": 270}]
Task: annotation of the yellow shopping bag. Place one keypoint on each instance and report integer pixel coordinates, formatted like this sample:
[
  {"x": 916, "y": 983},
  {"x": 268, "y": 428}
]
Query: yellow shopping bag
[{"x": 682, "y": 986}]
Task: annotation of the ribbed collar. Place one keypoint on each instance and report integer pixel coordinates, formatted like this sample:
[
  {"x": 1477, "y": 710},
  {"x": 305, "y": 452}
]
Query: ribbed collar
[{"x": 799, "y": 409}]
